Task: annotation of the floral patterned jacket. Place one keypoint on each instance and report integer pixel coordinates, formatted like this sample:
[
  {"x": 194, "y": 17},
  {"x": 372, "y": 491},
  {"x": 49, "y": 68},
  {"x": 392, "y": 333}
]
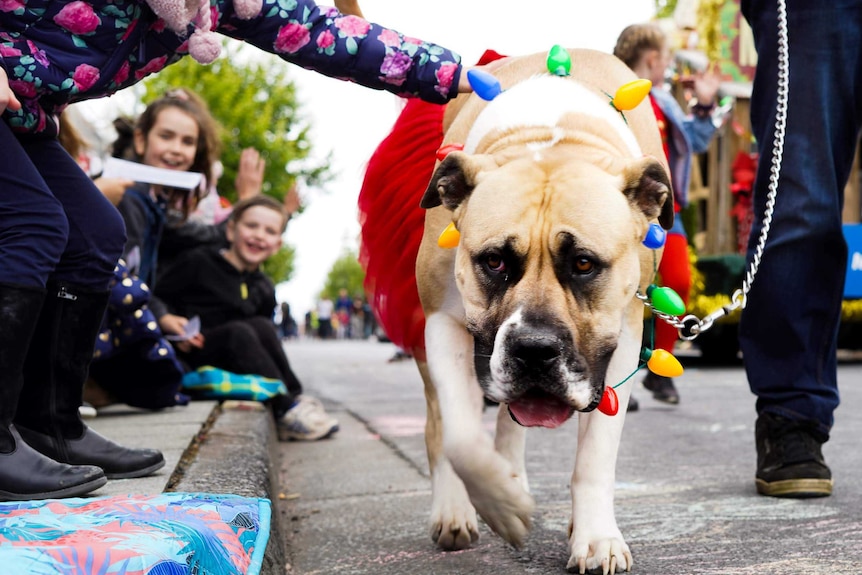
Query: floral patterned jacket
[{"x": 56, "y": 52}]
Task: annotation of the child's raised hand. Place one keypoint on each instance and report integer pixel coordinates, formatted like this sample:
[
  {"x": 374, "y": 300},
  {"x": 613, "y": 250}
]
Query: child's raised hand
[
  {"x": 292, "y": 201},
  {"x": 249, "y": 174},
  {"x": 7, "y": 96},
  {"x": 706, "y": 85}
]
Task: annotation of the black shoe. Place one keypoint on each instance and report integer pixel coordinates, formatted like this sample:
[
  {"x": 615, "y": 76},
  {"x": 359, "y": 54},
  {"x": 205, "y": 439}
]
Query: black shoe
[
  {"x": 26, "y": 474},
  {"x": 118, "y": 462},
  {"x": 789, "y": 458},
  {"x": 400, "y": 355},
  {"x": 633, "y": 404},
  {"x": 662, "y": 388}
]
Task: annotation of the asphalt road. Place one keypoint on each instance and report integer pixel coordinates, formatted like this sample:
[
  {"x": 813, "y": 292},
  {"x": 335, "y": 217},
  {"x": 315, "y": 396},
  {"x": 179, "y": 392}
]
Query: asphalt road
[{"x": 685, "y": 498}]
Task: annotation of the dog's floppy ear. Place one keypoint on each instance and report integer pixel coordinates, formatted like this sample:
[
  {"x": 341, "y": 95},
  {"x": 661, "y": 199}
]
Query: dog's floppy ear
[
  {"x": 648, "y": 187},
  {"x": 453, "y": 181}
]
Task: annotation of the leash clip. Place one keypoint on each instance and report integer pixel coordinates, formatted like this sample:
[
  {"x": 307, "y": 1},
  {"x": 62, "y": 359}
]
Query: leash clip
[{"x": 690, "y": 327}]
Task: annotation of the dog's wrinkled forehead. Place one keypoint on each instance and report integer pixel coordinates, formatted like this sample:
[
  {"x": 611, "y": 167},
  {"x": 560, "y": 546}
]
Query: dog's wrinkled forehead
[
  {"x": 541, "y": 101},
  {"x": 532, "y": 206}
]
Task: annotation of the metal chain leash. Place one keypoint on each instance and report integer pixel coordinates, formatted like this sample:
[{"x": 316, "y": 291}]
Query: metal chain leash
[{"x": 691, "y": 326}]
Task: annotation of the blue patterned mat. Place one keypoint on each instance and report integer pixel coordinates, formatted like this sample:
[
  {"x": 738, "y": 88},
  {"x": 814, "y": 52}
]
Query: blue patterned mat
[{"x": 166, "y": 534}]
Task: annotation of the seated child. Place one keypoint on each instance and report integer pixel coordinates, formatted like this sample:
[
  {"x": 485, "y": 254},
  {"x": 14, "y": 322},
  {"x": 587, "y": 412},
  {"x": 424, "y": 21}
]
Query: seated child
[
  {"x": 133, "y": 363},
  {"x": 235, "y": 301}
]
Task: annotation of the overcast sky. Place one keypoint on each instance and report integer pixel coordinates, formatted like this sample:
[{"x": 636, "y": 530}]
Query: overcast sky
[{"x": 349, "y": 120}]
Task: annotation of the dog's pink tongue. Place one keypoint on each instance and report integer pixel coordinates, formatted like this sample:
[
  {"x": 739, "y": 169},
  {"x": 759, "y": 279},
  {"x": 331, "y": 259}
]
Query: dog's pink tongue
[{"x": 540, "y": 410}]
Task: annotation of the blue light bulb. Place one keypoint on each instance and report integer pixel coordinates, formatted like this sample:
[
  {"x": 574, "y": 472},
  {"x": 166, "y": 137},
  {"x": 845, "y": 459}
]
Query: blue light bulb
[
  {"x": 655, "y": 237},
  {"x": 484, "y": 84}
]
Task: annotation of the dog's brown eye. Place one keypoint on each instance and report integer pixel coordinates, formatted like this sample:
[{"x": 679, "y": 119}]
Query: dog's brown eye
[
  {"x": 584, "y": 266},
  {"x": 495, "y": 263}
]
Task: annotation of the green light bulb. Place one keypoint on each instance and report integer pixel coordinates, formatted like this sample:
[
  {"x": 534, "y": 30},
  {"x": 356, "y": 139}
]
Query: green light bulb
[
  {"x": 559, "y": 61},
  {"x": 665, "y": 300}
]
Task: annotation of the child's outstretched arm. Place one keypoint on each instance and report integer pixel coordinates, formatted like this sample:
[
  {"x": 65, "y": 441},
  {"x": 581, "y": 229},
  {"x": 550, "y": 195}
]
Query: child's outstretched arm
[{"x": 347, "y": 47}]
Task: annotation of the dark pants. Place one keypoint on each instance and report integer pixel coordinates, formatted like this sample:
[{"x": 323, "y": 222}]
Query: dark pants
[
  {"x": 248, "y": 346},
  {"x": 788, "y": 331},
  {"x": 54, "y": 222}
]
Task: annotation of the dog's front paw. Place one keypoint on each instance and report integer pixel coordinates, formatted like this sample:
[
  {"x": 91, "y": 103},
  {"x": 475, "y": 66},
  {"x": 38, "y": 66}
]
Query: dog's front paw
[
  {"x": 499, "y": 497},
  {"x": 454, "y": 525},
  {"x": 509, "y": 516},
  {"x": 606, "y": 555}
]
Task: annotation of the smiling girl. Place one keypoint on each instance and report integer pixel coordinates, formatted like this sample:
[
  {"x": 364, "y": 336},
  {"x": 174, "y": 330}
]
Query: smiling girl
[
  {"x": 175, "y": 132},
  {"x": 133, "y": 362}
]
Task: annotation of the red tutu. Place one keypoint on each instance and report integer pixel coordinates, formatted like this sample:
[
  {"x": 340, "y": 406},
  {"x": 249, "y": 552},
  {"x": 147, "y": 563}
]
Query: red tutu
[{"x": 392, "y": 221}]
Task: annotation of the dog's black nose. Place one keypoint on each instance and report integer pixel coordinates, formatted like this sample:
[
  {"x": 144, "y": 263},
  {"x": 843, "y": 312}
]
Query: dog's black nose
[{"x": 536, "y": 351}]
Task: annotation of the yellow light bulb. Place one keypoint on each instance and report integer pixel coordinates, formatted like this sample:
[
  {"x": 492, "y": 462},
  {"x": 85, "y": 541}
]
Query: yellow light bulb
[
  {"x": 450, "y": 237},
  {"x": 630, "y": 94},
  {"x": 663, "y": 363}
]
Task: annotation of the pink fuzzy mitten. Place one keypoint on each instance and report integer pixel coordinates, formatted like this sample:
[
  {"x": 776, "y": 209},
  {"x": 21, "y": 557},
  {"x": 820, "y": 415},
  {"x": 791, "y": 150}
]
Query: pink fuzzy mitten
[
  {"x": 247, "y": 9},
  {"x": 204, "y": 45},
  {"x": 177, "y": 14}
]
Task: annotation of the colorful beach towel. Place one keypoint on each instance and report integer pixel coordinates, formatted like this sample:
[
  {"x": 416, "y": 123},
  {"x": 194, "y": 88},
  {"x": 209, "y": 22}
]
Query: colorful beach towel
[
  {"x": 166, "y": 534},
  {"x": 209, "y": 382}
]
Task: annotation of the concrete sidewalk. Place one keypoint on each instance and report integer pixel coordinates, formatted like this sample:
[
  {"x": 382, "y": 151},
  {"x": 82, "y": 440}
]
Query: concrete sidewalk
[
  {"x": 359, "y": 504},
  {"x": 208, "y": 448}
]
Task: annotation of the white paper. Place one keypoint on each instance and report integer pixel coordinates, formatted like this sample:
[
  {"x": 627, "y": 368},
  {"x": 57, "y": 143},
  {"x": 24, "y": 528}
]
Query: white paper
[
  {"x": 133, "y": 260},
  {"x": 117, "y": 168},
  {"x": 193, "y": 327}
]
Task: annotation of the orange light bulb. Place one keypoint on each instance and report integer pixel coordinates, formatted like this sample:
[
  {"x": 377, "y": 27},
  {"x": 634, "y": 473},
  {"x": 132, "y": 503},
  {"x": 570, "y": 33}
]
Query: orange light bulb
[{"x": 450, "y": 237}]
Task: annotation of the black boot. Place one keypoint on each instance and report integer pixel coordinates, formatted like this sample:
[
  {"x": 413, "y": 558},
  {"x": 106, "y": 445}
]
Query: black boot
[
  {"x": 662, "y": 388},
  {"x": 25, "y": 473},
  {"x": 54, "y": 375}
]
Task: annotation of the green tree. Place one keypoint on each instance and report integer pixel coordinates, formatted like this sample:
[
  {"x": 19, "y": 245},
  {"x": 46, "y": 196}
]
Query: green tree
[
  {"x": 347, "y": 273},
  {"x": 255, "y": 102},
  {"x": 279, "y": 267},
  {"x": 664, "y": 8}
]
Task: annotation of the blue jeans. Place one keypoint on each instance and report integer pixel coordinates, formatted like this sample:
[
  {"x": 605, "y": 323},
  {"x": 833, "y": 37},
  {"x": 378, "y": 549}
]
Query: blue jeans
[
  {"x": 54, "y": 222},
  {"x": 789, "y": 327}
]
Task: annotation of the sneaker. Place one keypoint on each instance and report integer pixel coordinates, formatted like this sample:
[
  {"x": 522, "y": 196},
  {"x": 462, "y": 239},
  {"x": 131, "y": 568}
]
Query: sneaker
[
  {"x": 87, "y": 411},
  {"x": 307, "y": 421},
  {"x": 662, "y": 388},
  {"x": 789, "y": 459}
]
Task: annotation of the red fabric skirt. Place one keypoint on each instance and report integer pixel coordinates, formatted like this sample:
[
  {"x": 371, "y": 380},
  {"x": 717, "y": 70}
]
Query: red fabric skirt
[{"x": 392, "y": 221}]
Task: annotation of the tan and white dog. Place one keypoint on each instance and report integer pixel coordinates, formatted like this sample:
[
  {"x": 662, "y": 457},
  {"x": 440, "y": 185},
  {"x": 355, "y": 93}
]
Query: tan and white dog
[{"x": 536, "y": 308}]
